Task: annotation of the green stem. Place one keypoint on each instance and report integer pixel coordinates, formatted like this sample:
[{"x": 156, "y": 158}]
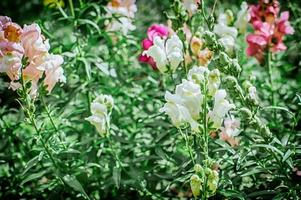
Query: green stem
[
  {"x": 270, "y": 71},
  {"x": 71, "y": 8},
  {"x": 204, "y": 15},
  {"x": 33, "y": 122},
  {"x": 205, "y": 138},
  {"x": 205, "y": 123},
  {"x": 114, "y": 151},
  {"x": 62, "y": 11},
  {"x": 50, "y": 118},
  {"x": 185, "y": 136},
  {"x": 81, "y": 3}
]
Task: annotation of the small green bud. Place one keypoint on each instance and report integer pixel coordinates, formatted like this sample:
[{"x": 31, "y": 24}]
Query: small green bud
[
  {"x": 235, "y": 68},
  {"x": 230, "y": 17},
  {"x": 207, "y": 171},
  {"x": 210, "y": 38},
  {"x": 231, "y": 82},
  {"x": 224, "y": 59},
  {"x": 246, "y": 113},
  {"x": 198, "y": 168}
]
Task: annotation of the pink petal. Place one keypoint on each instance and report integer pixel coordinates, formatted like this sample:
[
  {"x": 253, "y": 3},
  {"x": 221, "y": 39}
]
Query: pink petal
[{"x": 146, "y": 44}]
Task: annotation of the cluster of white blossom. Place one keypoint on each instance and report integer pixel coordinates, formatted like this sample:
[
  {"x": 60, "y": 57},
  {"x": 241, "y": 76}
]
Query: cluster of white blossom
[
  {"x": 101, "y": 109},
  {"x": 226, "y": 31},
  {"x": 166, "y": 52},
  {"x": 185, "y": 105}
]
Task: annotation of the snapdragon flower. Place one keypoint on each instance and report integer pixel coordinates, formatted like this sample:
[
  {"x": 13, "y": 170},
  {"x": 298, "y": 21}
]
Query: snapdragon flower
[
  {"x": 191, "y": 96},
  {"x": 269, "y": 29},
  {"x": 166, "y": 52},
  {"x": 230, "y": 131},
  {"x": 184, "y": 106},
  {"x": 17, "y": 43},
  {"x": 220, "y": 109},
  {"x": 156, "y": 30},
  {"x": 226, "y": 32},
  {"x": 101, "y": 109},
  {"x": 191, "y": 6},
  {"x": 243, "y": 17}
]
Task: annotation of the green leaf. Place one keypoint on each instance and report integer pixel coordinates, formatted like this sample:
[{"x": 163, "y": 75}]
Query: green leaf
[
  {"x": 252, "y": 172},
  {"x": 32, "y": 177},
  {"x": 287, "y": 155},
  {"x": 75, "y": 184},
  {"x": 262, "y": 193},
  {"x": 87, "y": 21},
  {"x": 233, "y": 194},
  {"x": 32, "y": 163},
  {"x": 267, "y": 146},
  {"x": 87, "y": 67}
]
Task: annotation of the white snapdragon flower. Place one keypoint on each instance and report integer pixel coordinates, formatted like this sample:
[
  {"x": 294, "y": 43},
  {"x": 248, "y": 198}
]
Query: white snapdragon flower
[
  {"x": 100, "y": 109},
  {"x": 226, "y": 33},
  {"x": 191, "y": 96},
  {"x": 220, "y": 109},
  {"x": 243, "y": 17},
  {"x": 157, "y": 52},
  {"x": 174, "y": 51},
  {"x": 178, "y": 113},
  {"x": 124, "y": 24},
  {"x": 166, "y": 52}
]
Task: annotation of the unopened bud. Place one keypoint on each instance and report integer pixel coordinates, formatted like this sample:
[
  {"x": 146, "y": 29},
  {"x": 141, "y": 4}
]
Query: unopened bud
[
  {"x": 198, "y": 168},
  {"x": 195, "y": 184}
]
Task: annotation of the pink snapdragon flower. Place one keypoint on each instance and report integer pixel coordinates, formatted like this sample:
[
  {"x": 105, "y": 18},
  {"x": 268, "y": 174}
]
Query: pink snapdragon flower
[
  {"x": 269, "y": 30},
  {"x": 17, "y": 43},
  {"x": 230, "y": 131},
  {"x": 152, "y": 32}
]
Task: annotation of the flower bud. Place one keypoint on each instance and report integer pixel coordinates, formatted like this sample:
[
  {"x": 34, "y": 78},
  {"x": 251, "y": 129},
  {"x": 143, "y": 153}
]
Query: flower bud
[
  {"x": 198, "y": 168},
  {"x": 212, "y": 181},
  {"x": 231, "y": 82},
  {"x": 195, "y": 184},
  {"x": 196, "y": 45},
  {"x": 210, "y": 38},
  {"x": 246, "y": 114},
  {"x": 235, "y": 68},
  {"x": 224, "y": 59},
  {"x": 229, "y": 17}
]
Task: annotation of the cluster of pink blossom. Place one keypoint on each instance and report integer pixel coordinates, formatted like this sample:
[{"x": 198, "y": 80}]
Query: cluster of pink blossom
[
  {"x": 17, "y": 43},
  {"x": 153, "y": 31},
  {"x": 269, "y": 29}
]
